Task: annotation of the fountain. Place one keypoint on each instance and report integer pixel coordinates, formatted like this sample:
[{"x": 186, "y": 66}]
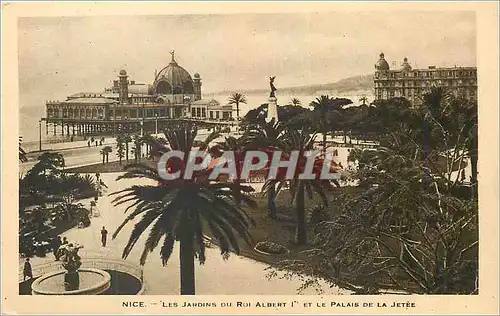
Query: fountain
[{"x": 73, "y": 280}]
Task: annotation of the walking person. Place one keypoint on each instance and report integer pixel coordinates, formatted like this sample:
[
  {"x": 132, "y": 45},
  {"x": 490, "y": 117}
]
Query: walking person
[
  {"x": 56, "y": 243},
  {"x": 27, "y": 272},
  {"x": 88, "y": 143},
  {"x": 64, "y": 241},
  {"x": 104, "y": 236}
]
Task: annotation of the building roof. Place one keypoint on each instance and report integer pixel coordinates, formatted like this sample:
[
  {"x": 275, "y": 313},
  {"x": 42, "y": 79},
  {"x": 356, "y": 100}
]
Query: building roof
[
  {"x": 91, "y": 101},
  {"x": 211, "y": 102}
]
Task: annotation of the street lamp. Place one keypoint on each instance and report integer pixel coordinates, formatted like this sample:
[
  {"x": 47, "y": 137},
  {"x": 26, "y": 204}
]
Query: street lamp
[
  {"x": 156, "y": 124},
  {"x": 142, "y": 128},
  {"x": 40, "y": 135}
]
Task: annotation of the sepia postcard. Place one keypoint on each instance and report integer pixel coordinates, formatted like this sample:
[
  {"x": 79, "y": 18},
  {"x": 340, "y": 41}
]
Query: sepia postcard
[{"x": 250, "y": 158}]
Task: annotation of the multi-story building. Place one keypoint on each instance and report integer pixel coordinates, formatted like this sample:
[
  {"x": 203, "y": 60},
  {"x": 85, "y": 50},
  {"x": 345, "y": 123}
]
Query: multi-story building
[
  {"x": 413, "y": 83},
  {"x": 128, "y": 106}
]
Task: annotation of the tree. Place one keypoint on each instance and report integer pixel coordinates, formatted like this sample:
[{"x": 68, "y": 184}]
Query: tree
[
  {"x": 120, "y": 150},
  {"x": 328, "y": 111},
  {"x": 295, "y": 102},
  {"x": 236, "y": 99},
  {"x": 267, "y": 135},
  {"x": 410, "y": 227},
  {"x": 137, "y": 149},
  {"x": 302, "y": 142},
  {"x": 239, "y": 146},
  {"x": 363, "y": 100},
  {"x": 127, "y": 139},
  {"x": 188, "y": 211}
]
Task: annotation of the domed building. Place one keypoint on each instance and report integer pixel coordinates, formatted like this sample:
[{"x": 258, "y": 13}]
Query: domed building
[
  {"x": 412, "y": 84},
  {"x": 128, "y": 106}
]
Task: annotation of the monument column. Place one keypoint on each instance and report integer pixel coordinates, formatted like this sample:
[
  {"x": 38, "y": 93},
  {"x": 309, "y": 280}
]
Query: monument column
[{"x": 272, "y": 106}]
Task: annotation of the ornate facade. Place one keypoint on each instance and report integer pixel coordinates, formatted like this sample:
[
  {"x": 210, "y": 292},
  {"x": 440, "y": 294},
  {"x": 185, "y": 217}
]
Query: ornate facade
[
  {"x": 412, "y": 83},
  {"x": 129, "y": 106}
]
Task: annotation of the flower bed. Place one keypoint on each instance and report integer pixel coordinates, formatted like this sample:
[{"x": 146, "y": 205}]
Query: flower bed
[{"x": 270, "y": 248}]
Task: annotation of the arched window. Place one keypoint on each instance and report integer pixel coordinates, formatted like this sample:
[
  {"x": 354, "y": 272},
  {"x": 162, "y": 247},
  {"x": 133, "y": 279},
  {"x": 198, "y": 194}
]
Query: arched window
[
  {"x": 188, "y": 87},
  {"x": 163, "y": 87},
  {"x": 88, "y": 113}
]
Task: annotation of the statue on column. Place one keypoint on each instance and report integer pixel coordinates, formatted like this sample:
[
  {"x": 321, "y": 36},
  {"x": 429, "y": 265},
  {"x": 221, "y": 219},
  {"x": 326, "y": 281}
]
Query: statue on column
[{"x": 273, "y": 88}]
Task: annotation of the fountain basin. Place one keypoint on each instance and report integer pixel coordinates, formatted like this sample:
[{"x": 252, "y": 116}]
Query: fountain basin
[{"x": 92, "y": 282}]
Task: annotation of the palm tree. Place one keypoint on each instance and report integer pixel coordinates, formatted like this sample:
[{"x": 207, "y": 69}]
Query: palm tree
[
  {"x": 302, "y": 141},
  {"x": 328, "y": 109},
  {"x": 22, "y": 153},
  {"x": 363, "y": 100},
  {"x": 188, "y": 211},
  {"x": 295, "y": 102},
  {"x": 120, "y": 150},
  {"x": 127, "y": 139},
  {"x": 137, "y": 149},
  {"x": 240, "y": 147},
  {"x": 267, "y": 135},
  {"x": 236, "y": 99}
]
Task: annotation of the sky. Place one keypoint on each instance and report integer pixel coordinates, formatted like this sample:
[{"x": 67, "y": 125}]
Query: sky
[{"x": 62, "y": 56}]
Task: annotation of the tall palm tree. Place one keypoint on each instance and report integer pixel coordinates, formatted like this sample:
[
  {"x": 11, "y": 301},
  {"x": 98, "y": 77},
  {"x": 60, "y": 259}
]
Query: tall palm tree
[
  {"x": 302, "y": 141},
  {"x": 267, "y": 135},
  {"x": 22, "y": 153},
  {"x": 188, "y": 211},
  {"x": 236, "y": 99}
]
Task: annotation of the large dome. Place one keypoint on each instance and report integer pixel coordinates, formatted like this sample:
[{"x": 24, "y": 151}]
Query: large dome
[
  {"x": 173, "y": 79},
  {"x": 382, "y": 63}
]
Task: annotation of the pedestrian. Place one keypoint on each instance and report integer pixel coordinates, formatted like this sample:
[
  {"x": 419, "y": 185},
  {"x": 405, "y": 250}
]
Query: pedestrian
[
  {"x": 100, "y": 143},
  {"x": 64, "y": 241},
  {"x": 104, "y": 236},
  {"x": 88, "y": 143},
  {"x": 96, "y": 143},
  {"x": 462, "y": 175},
  {"x": 27, "y": 272},
  {"x": 56, "y": 243}
]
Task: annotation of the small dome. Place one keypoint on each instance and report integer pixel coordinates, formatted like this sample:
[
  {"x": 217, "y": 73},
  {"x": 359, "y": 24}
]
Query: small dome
[
  {"x": 405, "y": 66},
  {"x": 197, "y": 75},
  {"x": 382, "y": 63},
  {"x": 123, "y": 72}
]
